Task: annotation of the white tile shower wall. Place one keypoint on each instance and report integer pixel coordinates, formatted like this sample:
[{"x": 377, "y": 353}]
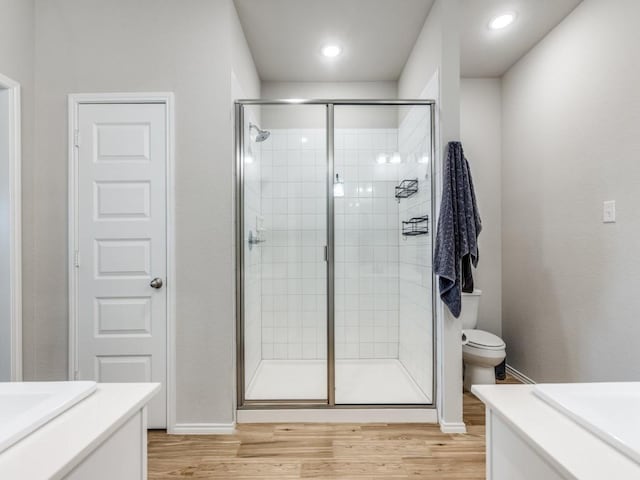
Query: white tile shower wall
[
  {"x": 383, "y": 289},
  {"x": 366, "y": 245},
  {"x": 253, "y": 262},
  {"x": 293, "y": 202},
  {"x": 415, "y": 278}
]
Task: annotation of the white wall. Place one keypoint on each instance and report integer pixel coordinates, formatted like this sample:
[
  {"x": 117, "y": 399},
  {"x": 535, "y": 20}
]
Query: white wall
[
  {"x": 346, "y": 117},
  {"x": 481, "y": 135},
  {"x": 571, "y": 116},
  {"x": 147, "y": 45},
  {"x": 242, "y": 64},
  {"x": 246, "y": 83},
  {"x": 16, "y": 62},
  {"x": 436, "y": 54}
]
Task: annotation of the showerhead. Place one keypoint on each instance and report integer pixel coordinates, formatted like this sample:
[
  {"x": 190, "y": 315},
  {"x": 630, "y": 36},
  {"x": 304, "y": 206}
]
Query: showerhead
[{"x": 262, "y": 135}]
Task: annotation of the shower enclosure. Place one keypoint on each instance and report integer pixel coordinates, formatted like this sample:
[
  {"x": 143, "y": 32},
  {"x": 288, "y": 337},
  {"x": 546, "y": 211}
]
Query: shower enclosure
[{"x": 335, "y": 210}]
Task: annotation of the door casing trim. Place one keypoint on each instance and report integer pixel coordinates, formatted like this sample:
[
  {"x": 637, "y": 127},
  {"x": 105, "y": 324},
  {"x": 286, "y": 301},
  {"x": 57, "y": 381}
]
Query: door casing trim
[
  {"x": 15, "y": 224},
  {"x": 167, "y": 99}
]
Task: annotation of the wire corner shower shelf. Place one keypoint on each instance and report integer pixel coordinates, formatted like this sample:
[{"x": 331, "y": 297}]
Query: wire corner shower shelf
[
  {"x": 415, "y": 226},
  {"x": 407, "y": 188}
]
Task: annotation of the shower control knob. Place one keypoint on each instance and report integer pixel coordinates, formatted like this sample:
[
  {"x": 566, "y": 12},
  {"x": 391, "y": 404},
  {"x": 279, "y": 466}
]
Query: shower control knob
[{"x": 156, "y": 283}]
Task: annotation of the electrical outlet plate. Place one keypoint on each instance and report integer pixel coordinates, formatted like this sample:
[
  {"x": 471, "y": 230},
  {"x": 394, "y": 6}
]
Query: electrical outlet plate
[{"x": 609, "y": 211}]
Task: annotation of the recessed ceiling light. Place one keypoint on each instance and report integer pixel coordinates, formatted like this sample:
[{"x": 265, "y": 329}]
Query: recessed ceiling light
[
  {"x": 331, "y": 50},
  {"x": 502, "y": 21}
]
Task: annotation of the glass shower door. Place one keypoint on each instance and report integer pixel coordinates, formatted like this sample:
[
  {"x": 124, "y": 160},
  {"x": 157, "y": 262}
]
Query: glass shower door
[
  {"x": 383, "y": 276},
  {"x": 335, "y": 224},
  {"x": 284, "y": 219}
]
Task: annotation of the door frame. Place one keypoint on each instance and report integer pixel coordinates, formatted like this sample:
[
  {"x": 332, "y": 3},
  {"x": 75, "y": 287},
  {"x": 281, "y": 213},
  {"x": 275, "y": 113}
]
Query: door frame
[
  {"x": 163, "y": 98},
  {"x": 15, "y": 224},
  {"x": 241, "y": 402}
]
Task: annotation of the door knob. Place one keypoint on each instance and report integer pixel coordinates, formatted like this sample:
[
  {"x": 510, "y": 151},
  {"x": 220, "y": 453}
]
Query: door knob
[{"x": 156, "y": 283}]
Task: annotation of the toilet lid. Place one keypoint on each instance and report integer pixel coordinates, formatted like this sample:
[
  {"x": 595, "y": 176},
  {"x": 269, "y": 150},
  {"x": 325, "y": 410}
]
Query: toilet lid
[{"x": 483, "y": 339}]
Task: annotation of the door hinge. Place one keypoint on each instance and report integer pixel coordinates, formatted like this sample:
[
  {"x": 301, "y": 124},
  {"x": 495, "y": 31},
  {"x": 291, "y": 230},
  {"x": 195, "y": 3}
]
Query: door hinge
[
  {"x": 76, "y": 259},
  {"x": 76, "y": 138}
]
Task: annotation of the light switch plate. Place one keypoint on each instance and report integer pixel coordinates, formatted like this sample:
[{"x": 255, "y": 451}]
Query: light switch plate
[{"x": 609, "y": 211}]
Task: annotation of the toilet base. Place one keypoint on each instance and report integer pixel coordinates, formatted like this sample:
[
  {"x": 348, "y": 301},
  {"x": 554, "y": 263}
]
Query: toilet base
[{"x": 478, "y": 375}]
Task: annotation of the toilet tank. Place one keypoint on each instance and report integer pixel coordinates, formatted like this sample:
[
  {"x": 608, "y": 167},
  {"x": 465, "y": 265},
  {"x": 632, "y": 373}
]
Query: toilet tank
[{"x": 469, "y": 313}]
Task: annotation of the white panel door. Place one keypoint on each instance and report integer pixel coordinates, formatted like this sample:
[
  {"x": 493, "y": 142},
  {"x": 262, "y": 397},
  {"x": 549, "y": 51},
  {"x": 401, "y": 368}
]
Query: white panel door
[{"x": 122, "y": 257}]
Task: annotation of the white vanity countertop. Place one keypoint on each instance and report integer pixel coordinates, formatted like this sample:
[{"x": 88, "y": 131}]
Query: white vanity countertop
[
  {"x": 57, "y": 447},
  {"x": 561, "y": 441}
]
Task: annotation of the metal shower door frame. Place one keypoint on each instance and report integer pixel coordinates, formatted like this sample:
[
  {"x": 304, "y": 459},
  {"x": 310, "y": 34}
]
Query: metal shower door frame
[{"x": 329, "y": 402}]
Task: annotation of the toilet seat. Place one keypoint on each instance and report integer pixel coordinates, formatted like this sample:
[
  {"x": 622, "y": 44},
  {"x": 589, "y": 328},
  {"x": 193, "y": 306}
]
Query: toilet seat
[{"x": 483, "y": 340}]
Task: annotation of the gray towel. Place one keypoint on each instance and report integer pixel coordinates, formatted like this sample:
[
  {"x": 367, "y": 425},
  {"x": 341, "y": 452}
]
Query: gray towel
[{"x": 458, "y": 228}]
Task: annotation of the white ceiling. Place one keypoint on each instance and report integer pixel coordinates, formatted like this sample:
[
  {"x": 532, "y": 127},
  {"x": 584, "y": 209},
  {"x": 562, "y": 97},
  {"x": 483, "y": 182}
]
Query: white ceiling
[
  {"x": 285, "y": 36},
  {"x": 490, "y": 53}
]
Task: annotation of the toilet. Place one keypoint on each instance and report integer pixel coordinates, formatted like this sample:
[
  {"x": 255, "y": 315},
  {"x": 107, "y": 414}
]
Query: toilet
[{"x": 481, "y": 351}]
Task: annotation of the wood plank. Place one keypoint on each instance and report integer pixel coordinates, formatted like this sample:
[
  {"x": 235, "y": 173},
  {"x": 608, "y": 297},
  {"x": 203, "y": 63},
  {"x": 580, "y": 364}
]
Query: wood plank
[{"x": 364, "y": 469}]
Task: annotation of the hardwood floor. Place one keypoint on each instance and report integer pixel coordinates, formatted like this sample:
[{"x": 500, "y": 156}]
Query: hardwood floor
[{"x": 325, "y": 451}]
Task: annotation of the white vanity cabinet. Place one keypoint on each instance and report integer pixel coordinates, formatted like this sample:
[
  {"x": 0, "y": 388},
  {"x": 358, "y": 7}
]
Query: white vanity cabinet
[
  {"x": 103, "y": 437},
  {"x": 509, "y": 456},
  {"x": 123, "y": 455},
  {"x": 528, "y": 439}
]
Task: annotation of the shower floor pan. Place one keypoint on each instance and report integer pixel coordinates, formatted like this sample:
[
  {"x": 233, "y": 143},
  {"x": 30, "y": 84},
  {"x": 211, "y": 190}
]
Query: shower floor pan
[{"x": 370, "y": 381}]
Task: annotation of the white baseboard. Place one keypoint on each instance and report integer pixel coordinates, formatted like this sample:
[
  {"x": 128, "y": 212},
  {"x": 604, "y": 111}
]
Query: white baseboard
[
  {"x": 202, "y": 429},
  {"x": 519, "y": 375},
  {"x": 339, "y": 415},
  {"x": 456, "y": 427}
]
